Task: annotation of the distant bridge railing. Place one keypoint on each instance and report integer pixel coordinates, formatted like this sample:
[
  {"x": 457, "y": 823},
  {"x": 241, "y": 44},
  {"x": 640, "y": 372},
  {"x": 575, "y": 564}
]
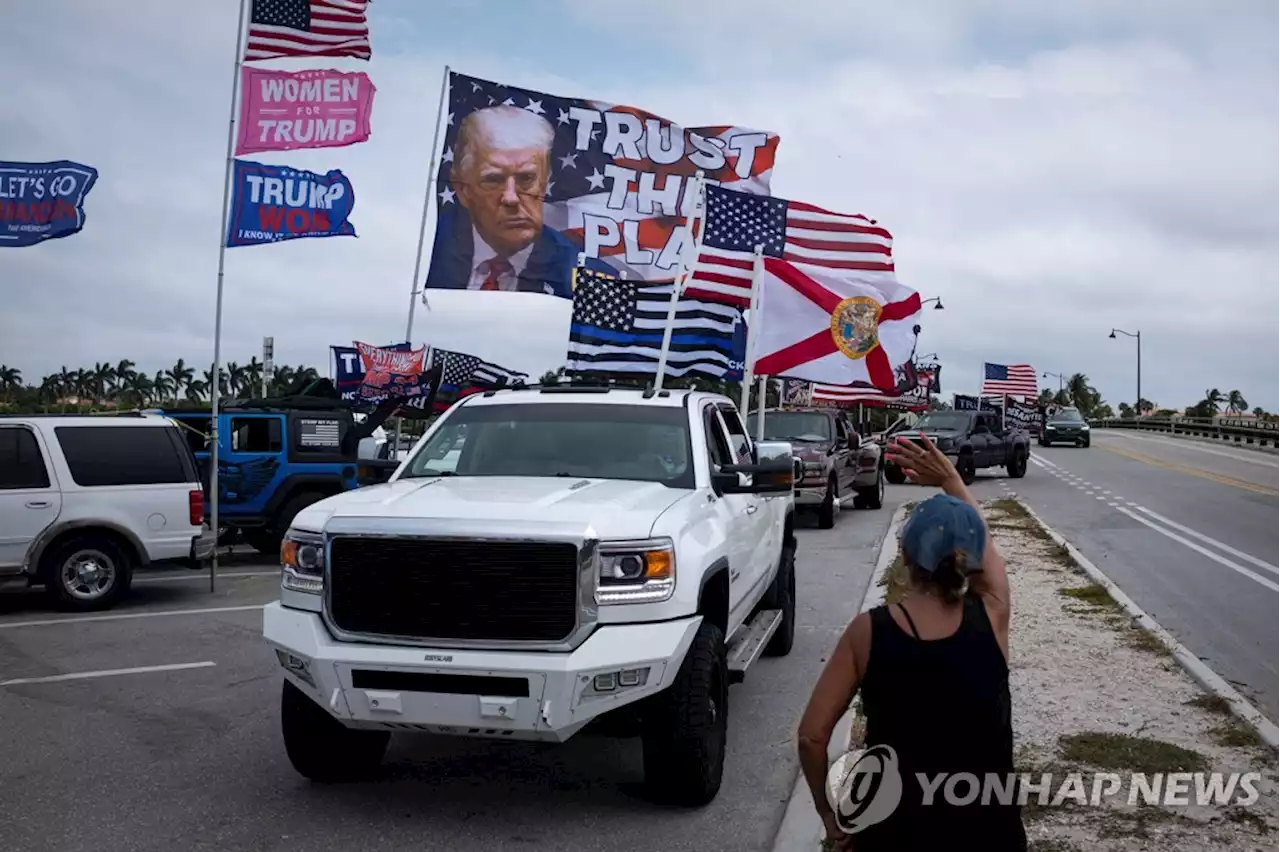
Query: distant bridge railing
[{"x": 1229, "y": 430}]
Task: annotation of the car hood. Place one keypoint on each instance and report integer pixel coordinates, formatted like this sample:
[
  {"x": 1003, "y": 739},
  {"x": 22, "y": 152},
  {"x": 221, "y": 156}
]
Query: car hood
[{"x": 609, "y": 508}]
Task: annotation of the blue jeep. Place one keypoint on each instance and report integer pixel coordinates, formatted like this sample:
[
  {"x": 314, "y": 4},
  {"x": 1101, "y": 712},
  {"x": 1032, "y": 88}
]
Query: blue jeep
[{"x": 272, "y": 464}]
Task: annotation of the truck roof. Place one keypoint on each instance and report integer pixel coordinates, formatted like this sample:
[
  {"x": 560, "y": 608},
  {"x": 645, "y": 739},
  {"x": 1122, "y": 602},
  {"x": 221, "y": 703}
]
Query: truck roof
[{"x": 601, "y": 395}]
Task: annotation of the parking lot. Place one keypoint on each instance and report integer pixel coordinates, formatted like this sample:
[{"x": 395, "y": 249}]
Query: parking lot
[{"x": 154, "y": 726}]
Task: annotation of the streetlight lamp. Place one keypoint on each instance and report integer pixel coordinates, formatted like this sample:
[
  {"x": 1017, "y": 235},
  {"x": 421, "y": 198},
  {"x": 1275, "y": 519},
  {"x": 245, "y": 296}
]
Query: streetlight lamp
[
  {"x": 1136, "y": 335},
  {"x": 1061, "y": 378},
  {"x": 936, "y": 307}
]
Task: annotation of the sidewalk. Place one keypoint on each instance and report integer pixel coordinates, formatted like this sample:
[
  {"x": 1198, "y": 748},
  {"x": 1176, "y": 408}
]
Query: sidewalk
[{"x": 1097, "y": 699}]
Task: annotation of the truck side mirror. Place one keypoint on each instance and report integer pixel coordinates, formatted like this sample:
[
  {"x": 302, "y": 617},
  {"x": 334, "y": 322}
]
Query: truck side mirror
[{"x": 774, "y": 476}]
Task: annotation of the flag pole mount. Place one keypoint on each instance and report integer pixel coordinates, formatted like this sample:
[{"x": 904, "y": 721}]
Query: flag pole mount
[
  {"x": 687, "y": 260},
  {"x": 215, "y": 389}
]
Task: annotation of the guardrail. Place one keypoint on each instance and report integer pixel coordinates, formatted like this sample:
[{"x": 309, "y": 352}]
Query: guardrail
[{"x": 1229, "y": 430}]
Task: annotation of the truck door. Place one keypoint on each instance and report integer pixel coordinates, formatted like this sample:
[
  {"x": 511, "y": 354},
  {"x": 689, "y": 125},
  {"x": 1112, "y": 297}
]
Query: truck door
[
  {"x": 765, "y": 533},
  {"x": 846, "y": 459},
  {"x": 29, "y": 496},
  {"x": 737, "y": 512}
]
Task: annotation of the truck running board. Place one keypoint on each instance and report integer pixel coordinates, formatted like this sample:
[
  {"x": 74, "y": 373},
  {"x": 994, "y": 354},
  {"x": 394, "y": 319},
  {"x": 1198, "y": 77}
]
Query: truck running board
[{"x": 750, "y": 641}]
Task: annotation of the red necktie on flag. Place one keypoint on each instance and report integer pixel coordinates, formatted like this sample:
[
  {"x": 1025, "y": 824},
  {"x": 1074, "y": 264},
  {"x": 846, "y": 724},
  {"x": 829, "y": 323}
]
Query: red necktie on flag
[{"x": 495, "y": 268}]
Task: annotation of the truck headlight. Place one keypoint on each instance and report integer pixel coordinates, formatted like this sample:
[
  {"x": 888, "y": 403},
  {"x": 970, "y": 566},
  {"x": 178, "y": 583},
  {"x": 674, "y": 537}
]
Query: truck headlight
[
  {"x": 302, "y": 562},
  {"x": 636, "y": 571}
]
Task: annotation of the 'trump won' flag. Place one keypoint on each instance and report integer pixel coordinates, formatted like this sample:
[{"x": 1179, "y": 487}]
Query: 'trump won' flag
[
  {"x": 42, "y": 201},
  {"x": 617, "y": 327},
  {"x": 270, "y": 204}
]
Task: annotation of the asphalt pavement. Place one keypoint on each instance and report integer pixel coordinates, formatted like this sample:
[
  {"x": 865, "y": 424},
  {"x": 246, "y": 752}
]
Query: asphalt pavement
[
  {"x": 1186, "y": 528},
  {"x": 155, "y": 727}
]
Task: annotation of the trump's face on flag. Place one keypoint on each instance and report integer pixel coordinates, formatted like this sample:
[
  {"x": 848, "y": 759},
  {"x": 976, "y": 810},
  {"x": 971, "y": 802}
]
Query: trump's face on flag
[{"x": 501, "y": 174}]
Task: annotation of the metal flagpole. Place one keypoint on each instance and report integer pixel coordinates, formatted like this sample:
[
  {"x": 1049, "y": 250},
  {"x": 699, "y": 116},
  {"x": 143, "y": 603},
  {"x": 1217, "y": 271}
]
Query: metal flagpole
[
  {"x": 215, "y": 390},
  {"x": 748, "y": 369},
  {"x": 689, "y": 257},
  {"x": 441, "y": 109},
  {"x": 761, "y": 392}
]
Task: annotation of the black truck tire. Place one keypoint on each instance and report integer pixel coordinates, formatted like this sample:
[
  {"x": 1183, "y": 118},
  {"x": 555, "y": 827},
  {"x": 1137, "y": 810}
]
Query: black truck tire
[
  {"x": 1017, "y": 466},
  {"x": 782, "y": 596},
  {"x": 323, "y": 749},
  {"x": 685, "y": 730},
  {"x": 965, "y": 467},
  {"x": 827, "y": 509},
  {"x": 872, "y": 496},
  {"x": 894, "y": 474}
]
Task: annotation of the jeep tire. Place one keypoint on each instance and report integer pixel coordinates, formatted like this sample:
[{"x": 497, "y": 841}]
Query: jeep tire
[
  {"x": 685, "y": 728},
  {"x": 323, "y": 749},
  {"x": 827, "y": 509},
  {"x": 266, "y": 539},
  {"x": 782, "y": 597}
]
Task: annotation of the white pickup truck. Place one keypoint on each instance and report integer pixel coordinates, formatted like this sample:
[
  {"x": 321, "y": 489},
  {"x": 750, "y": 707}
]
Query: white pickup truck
[{"x": 543, "y": 559}]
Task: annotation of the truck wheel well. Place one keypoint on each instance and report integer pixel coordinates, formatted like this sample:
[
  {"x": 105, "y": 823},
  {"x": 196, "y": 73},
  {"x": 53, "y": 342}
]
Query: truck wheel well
[
  {"x": 713, "y": 600},
  {"x": 116, "y": 537}
]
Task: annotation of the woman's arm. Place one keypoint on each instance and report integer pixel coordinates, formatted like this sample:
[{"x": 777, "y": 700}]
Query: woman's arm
[{"x": 831, "y": 697}]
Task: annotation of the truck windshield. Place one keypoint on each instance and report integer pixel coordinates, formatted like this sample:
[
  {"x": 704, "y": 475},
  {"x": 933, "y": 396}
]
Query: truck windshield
[
  {"x": 792, "y": 426},
  {"x": 942, "y": 421},
  {"x": 583, "y": 440}
]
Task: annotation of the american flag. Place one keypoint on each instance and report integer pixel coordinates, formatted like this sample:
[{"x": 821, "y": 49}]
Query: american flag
[
  {"x": 308, "y": 28},
  {"x": 1012, "y": 379},
  {"x": 736, "y": 222},
  {"x": 618, "y": 326}
]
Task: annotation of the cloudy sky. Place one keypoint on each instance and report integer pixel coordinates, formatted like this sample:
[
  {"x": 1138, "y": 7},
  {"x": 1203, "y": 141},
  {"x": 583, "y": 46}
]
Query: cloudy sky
[{"x": 1050, "y": 170}]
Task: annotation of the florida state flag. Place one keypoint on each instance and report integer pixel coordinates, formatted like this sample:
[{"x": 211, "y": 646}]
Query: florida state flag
[{"x": 834, "y": 326}]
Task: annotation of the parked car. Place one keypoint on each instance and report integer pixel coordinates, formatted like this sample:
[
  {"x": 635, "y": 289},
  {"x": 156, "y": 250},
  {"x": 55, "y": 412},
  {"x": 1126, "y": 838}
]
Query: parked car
[
  {"x": 973, "y": 440},
  {"x": 86, "y": 500},
  {"x": 1066, "y": 426},
  {"x": 574, "y": 557},
  {"x": 838, "y": 465}
]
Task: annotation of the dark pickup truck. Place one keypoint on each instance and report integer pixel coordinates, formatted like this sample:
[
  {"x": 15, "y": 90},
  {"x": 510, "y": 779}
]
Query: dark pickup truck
[{"x": 973, "y": 440}]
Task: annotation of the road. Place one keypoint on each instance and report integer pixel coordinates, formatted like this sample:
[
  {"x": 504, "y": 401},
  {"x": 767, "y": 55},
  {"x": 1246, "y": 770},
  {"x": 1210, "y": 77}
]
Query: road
[
  {"x": 1188, "y": 529},
  {"x": 189, "y": 757}
]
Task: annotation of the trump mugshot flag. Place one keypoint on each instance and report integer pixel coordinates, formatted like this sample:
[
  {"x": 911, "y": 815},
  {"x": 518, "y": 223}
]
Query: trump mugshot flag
[
  {"x": 270, "y": 204},
  {"x": 528, "y": 180},
  {"x": 42, "y": 201}
]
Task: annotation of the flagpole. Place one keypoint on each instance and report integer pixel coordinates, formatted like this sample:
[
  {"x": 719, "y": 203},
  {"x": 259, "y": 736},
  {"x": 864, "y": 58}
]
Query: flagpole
[
  {"x": 748, "y": 370},
  {"x": 215, "y": 390},
  {"x": 761, "y": 392},
  {"x": 688, "y": 258},
  {"x": 441, "y": 109}
]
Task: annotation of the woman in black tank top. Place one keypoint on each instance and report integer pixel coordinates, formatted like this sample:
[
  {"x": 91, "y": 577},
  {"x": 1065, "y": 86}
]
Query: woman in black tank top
[{"x": 934, "y": 677}]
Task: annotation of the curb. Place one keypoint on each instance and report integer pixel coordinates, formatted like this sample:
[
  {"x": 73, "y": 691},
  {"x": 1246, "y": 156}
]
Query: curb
[
  {"x": 1207, "y": 678},
  {"x": 800, "y": 828}
]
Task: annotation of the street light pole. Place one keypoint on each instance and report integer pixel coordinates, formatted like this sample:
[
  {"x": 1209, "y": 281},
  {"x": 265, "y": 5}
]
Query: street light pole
[
  {"x": 1136, "y": 335},
  {"x": 1061, "y": 379}
]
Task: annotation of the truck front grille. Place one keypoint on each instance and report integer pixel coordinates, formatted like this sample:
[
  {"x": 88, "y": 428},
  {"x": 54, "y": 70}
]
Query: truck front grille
[{"x": 454, "y": 589}]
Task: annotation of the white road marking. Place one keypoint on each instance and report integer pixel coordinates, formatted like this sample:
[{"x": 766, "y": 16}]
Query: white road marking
[
  {"x": 1239, "y": 569},
  {"x": 173, "y": 667},
  {"x": 1249, "y": 456},
  {"x": 74, "y": 619},
  {"x": 1226, "y": 548},
  {"x": 205, "y": 576}
]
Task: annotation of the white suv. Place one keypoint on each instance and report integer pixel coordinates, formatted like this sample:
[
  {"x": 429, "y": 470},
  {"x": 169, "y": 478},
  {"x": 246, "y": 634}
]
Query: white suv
[{"x": 85, "y": 500}]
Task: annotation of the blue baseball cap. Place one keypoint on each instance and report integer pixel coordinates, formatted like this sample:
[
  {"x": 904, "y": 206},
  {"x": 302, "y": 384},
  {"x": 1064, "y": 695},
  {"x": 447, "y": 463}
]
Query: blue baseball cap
[{"x": 938, "y": 528}]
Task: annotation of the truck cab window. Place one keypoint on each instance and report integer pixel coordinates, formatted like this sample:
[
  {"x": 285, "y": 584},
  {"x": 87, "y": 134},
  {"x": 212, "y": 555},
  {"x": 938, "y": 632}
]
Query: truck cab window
[
  {"x": 717, "y": 444},
  {"x": 739, "y": 441}
]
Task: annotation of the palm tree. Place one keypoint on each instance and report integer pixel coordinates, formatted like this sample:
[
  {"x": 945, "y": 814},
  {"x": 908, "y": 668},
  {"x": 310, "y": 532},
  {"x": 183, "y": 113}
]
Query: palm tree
[
  {"x": 253, "y": 376},
  {"x": 181, "y": 375},
  {"x": 124, "y": 373},
  {"x": 1259, "y": 412},
  {"x": 162, "y": 385},
  {"x": 1081, "y": 394},
  {"x": 222, "y": 381},
  {"x": 103, "y": 375},
  {"x": 281, "y": 378},
  {"x": 196, "y": 390},
  {"x": 138, "y": 389},
  {"x": 10, "y": 379},
  {"x": 1215, "y": 399},
  {"x": 1236, "y": 403},
  {"x": 235, "y": 378}
]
